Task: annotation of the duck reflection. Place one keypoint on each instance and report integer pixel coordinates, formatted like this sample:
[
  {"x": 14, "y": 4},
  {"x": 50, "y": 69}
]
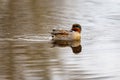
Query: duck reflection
[{"x": 75, "y": 45}]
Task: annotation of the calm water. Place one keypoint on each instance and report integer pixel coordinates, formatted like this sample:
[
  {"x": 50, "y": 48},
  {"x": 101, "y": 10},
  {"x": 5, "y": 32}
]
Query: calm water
[{"x": 26, "y": 50}]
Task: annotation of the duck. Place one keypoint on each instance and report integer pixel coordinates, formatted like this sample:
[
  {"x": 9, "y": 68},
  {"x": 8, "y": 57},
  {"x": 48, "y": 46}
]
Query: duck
[{"x": 73, "y": 34}]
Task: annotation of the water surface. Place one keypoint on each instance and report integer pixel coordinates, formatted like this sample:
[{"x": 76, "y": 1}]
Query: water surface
[{"x": 26, "y": 50}]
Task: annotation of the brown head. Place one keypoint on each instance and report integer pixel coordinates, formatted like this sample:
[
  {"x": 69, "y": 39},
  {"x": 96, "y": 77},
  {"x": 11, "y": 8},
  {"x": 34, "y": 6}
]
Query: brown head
[{"x": 76, "y": 27}]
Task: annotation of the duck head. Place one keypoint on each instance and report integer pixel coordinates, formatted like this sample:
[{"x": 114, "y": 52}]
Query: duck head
[{"x": 76, "y": 27}]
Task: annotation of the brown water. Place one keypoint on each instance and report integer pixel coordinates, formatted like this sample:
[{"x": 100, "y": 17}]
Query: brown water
[{"x": 26, "y": 50}]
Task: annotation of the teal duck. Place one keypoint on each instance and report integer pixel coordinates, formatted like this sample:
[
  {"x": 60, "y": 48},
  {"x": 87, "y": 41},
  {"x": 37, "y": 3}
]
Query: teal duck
[{"x": 73, "y": 34}]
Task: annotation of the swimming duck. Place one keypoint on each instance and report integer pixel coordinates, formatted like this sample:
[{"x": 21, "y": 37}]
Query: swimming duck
[{"x": 73, "y": 34}]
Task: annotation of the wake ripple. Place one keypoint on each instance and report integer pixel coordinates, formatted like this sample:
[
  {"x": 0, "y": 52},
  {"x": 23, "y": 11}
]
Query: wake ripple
[{"x": 39, "y": 38}]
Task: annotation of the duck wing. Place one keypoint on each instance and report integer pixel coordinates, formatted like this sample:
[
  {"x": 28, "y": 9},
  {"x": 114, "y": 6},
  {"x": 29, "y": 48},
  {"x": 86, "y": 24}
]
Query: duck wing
[{"x": 60, "y": 32}]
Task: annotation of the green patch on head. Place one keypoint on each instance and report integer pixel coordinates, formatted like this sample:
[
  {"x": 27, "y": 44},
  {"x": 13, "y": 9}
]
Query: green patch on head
[{"x": 76, "y": 26}]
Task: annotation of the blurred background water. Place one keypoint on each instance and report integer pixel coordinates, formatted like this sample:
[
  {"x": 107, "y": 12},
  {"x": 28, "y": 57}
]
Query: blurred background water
[{"x": 26, "y": 52}]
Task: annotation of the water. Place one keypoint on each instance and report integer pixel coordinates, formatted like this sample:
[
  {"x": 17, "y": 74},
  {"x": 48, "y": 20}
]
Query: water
[{"x": 26, "y": 50}]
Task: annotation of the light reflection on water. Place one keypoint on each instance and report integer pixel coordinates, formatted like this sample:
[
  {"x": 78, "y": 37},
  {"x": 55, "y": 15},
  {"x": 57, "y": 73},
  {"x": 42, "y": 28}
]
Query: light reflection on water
[{"x": 27, "y": 52}]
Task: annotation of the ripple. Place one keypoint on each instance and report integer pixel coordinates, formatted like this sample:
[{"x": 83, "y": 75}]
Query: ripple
[
  {"x": 114, "y": 17},
  {"x": 41, "y": 37}
]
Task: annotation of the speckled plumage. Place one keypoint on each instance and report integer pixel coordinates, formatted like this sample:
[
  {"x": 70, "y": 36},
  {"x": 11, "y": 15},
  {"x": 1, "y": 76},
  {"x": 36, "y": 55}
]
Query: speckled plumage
[{"x": 73, "y": 34}]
